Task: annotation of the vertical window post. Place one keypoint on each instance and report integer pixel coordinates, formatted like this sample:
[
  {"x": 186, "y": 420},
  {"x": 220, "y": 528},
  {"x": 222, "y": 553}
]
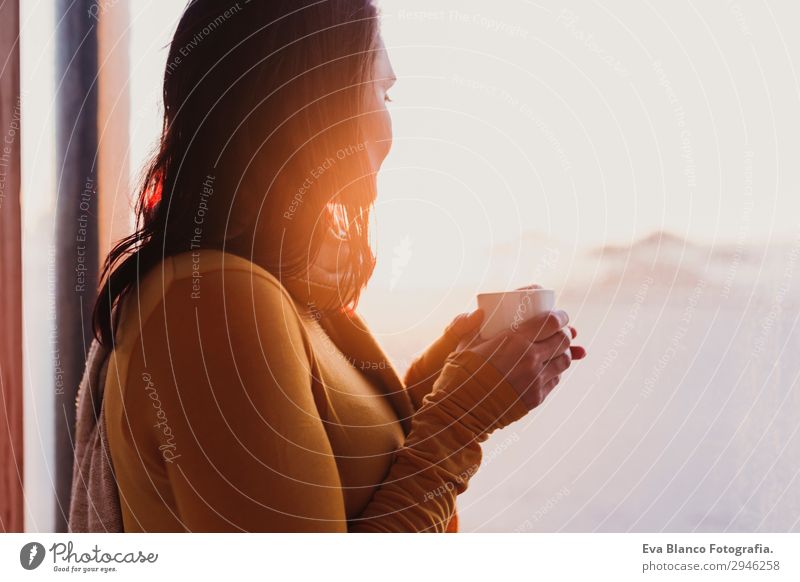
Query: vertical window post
[
  {"x": 11, "y": 498},
  {"x": 76, "y": 221}
]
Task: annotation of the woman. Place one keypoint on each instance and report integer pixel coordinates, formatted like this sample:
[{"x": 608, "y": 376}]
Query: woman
[{"x": 243, "y": 392}]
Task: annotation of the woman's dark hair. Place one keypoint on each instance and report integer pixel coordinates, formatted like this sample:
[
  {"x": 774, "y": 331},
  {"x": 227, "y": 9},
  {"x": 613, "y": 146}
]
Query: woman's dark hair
[{"x": 259, "y": 98}]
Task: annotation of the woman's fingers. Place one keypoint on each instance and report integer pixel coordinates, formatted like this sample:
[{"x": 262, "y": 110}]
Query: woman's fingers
[
  {"x": 555, "y": 367},
  {"x": 578, "y": 352},
  {"x": 534, "y": 354},
  {"x": 464, "y": 328},
  {"x": 532, "y": 286},
  {"x": 559, "y": 364},
  {"x": 552, "y": 383},
  {"x": 552, "y": 346},
  {"x": 533, "y": 397},
  {"x": 464, "y": 323},
  {"x": 544, "y": 325},
  {"x": 474, "y": 319}
]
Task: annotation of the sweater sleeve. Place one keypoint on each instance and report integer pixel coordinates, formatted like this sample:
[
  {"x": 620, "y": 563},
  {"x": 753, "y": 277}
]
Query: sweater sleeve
[
  {"x": 469, "y": 400},
  {"x": 232, "y": 369},
  {"x": 426, "y": 368}
]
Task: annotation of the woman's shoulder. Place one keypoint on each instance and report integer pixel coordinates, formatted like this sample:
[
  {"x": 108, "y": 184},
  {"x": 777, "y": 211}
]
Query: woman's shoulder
[
  {"x": 211, "y": 270},
  {"x": 218, "y": 265},
  {"x": 202, "y": 279}
]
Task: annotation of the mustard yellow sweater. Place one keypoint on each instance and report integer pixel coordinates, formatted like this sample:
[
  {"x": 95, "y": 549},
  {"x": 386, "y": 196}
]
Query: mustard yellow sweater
[{"x": 232, "y": 407}]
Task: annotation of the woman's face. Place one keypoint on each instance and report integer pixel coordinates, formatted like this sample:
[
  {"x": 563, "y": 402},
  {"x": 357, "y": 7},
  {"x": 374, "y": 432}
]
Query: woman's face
[{"x": 378, "y": 123}]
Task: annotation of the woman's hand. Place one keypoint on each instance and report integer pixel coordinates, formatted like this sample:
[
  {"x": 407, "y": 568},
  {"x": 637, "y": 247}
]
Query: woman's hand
[
  {"x": 465, "y": 325},
  {"x": 533, "y": 357},
  {"x": 425, "y": 369}
]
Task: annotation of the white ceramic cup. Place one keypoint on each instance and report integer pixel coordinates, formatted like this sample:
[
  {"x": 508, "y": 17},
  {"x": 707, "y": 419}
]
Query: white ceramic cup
[{"x": 507, "y": 310}]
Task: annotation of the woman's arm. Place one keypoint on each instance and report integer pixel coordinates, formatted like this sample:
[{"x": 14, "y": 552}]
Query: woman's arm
[
  {"x": 470, "y": 399},
  {"x": 425, "y": 369},
  {"x": 234, "y": 370}
]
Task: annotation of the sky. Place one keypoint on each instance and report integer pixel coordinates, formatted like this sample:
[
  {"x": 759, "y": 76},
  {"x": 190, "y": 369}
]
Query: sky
[
  {"x": 588, "y": 123},
  {"x": 591, "y": 123}
]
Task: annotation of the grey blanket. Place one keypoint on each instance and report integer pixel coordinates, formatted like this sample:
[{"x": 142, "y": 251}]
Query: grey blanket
[{"x": 95, "y": 505}]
